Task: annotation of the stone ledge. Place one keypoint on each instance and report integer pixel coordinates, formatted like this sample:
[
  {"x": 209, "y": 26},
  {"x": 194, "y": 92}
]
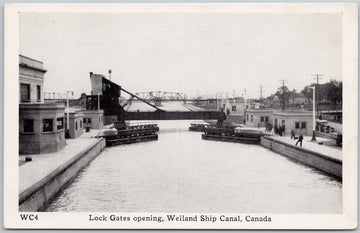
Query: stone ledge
[{"x": 42, "y": 192}]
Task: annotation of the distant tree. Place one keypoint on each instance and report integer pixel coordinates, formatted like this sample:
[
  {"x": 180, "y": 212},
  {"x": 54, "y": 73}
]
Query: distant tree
[
  {"x": 308, "y": 92},
  {"x": 334, "y": 91},
  {"x": 283, "y": 94},
  {"x": 327, "y": 92}
]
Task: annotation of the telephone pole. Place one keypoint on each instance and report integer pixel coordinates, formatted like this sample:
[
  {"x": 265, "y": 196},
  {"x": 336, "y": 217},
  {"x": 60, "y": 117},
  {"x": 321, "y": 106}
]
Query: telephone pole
[
  {"x": 283, "y": 94},
  {"x": 245, "y": 106},
  {"x": 317, "y": 77},
  {"x": 260, "y": 91}
]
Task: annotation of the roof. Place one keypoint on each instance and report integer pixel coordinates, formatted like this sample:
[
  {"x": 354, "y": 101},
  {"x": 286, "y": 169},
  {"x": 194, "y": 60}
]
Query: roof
[{"x": 31, "y": 63}]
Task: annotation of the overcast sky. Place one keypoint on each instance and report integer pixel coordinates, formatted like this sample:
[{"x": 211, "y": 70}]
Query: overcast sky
[{"x": 190, "y": 53}]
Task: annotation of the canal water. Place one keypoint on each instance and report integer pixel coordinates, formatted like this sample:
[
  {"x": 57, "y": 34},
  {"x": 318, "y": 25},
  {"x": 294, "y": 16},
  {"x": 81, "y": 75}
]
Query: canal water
[{"x": 183, "y": 173}]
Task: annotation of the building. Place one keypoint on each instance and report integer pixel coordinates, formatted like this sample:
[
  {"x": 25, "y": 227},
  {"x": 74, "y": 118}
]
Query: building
[
  {"x": 41, "y": 125},
  {"x": 105, "y": 95},
  {"x": 93, "y": 119},
  {"x": 76, "y": 127},
  {"x": 258, "y": 117},
  {"x": 331, "y": 115},
  {"x": 234, "y": 106},
  {"x": 297, "y": 120}
]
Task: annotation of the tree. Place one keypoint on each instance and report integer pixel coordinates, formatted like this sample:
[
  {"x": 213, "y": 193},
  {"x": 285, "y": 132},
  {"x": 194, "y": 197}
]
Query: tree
[
  {"x": 283, "y": 93},
  {"x": 308, "y": 92},
  {"x": 327, "y": 92},
  {"x": 334, "y": 91}
]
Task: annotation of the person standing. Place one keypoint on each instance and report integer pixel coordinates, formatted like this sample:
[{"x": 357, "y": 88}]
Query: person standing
[
  {"x": 292, "y": 134},
  {"x": 300, "y": 139}
]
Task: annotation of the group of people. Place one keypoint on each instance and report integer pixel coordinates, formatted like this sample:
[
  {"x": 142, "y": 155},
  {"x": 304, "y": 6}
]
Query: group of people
[
  {"x": 300, "y": 139},
  {"x": 279, "y": 129}
]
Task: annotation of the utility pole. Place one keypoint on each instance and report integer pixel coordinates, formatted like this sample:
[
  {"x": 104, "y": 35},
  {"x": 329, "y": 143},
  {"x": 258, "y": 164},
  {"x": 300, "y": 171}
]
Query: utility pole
[
  {"x": 245, "y": 106},
  {"x": 283, "y": 94},
  {"x": 260, "y": 91},
  {"x": 68, "y": 111},
  {"x": 314, "y": 122},
  {"x": 317, "y": 77}
]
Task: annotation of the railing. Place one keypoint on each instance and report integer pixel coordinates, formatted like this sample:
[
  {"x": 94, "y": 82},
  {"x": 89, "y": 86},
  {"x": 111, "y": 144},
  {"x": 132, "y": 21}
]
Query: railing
[{"x": 56, "y": 96}]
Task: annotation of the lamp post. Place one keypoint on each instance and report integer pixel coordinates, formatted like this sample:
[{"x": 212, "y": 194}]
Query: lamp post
[
  {"x": 67, "y": 109},
  {"x": 98, "y": 101},
  {"x": 313, "y": 135}
]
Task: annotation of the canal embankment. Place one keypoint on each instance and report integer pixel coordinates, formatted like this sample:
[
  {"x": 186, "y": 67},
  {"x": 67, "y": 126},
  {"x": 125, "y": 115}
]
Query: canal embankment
[
  {"x": 325, "y": 158},
  {"x": 41, "y": 179}
]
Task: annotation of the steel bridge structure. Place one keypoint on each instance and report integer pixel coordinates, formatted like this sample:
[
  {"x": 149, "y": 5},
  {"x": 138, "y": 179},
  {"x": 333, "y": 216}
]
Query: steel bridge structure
[
  {"x": 162, "y": 95},
  {"x": 105, "y": 95}
]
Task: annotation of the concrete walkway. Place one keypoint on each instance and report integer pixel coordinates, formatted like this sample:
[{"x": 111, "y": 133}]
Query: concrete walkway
[
  {"x": 327, "y": 148},
  {"x": 43, "y": 164}
]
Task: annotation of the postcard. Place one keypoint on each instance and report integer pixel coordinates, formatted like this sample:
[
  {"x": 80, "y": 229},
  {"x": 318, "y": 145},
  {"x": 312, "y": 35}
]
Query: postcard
[{"x": 181, "y": 116}]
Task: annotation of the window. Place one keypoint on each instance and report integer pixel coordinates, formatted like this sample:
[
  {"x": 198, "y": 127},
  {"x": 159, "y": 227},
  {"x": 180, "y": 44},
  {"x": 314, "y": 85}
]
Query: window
[
  {"x": 28, "y": 126},
  {"x": 252, "y": 118},
  {"x": 38, "y": 93},
  {"x": 297, "y": 125},
  {"x": 25, "y": 92},
  {"x": 87, "y": 120},
  {"x": 262, "y": 119},
  {"x": 247, "y": 117},
  {"x": 303, "y": 125},
  {"x": 81, "y": 124},
  {"x": 233, "y": 108},
  {"x": 76, "y": 125},
  {"x": 266, "y": 119},
  {"x": 47, "y": 125},
  {"x": 60, "y": 123}
]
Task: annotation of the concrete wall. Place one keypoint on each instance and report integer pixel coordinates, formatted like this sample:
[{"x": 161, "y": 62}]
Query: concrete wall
[
  {"x": 39, "y": 195},
  {"x": 322, "y": 162},
  {"x": 236, "y": 118}
]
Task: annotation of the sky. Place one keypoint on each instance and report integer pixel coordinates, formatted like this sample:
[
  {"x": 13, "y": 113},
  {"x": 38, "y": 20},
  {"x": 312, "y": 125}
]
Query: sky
[{"x": 195, "y": 53}]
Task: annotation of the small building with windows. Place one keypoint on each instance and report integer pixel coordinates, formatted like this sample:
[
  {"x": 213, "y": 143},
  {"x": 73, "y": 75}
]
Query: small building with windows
[
  {"x": 76, "y": 127},
  {"x": 94, "y": 119},
  {"x": 41, "y": 125},
  {"x": 297, "y": 120},
  {"x": 258, "y": 117},
  {"x": 41, "y": 128}
]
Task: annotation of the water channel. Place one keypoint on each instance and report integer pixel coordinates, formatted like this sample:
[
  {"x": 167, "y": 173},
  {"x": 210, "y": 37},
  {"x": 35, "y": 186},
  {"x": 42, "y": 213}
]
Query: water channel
[{"x": 183, "y": 173}]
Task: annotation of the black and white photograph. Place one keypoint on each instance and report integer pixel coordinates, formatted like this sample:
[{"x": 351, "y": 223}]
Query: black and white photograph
[{"x": 213, "y": 116}]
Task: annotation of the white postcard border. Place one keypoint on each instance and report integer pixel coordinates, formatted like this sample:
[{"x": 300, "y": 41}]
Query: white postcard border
[{"x": 347, "y": 220}]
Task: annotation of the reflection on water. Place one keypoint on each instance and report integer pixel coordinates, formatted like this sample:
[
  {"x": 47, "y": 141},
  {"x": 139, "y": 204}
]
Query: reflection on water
[{"x": 183, "y": 173}]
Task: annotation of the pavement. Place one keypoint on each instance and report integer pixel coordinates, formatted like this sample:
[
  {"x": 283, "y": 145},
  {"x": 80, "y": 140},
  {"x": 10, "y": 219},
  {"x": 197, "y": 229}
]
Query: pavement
[
  {"x": 327, "y": 147},
  {"x": 43, "y": 164}
]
